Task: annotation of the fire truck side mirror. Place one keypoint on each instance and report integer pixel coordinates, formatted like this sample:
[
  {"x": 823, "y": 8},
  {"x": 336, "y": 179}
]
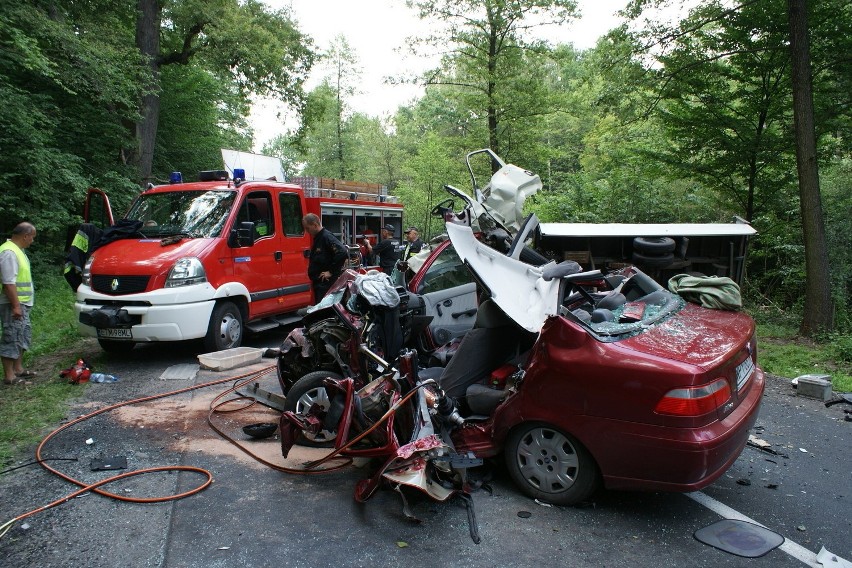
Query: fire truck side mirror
[{"x": 242, "y": 236}]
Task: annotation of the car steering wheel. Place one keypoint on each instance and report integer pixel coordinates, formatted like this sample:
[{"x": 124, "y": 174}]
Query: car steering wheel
[{"x": 442, "y": 207}]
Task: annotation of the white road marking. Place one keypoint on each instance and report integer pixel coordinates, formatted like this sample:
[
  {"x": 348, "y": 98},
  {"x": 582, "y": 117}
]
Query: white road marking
[{"x": 795, "y": 550}]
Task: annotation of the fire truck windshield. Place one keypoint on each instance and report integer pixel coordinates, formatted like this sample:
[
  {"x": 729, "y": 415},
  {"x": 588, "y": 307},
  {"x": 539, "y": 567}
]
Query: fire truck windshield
[{"x": 192, "y": 213}]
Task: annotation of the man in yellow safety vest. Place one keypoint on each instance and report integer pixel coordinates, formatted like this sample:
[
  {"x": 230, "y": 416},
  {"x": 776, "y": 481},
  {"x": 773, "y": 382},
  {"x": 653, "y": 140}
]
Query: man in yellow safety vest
[{"x": 16, "y": 303}]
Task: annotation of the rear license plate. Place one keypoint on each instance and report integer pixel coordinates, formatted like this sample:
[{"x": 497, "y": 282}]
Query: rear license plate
[
  {"x": 744, "y": 371},
  {"x": 115, "y": 333}
]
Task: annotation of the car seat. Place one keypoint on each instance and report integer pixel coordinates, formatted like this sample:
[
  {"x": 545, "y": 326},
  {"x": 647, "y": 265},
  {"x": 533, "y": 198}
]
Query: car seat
[{"x": 494, "y": 340}]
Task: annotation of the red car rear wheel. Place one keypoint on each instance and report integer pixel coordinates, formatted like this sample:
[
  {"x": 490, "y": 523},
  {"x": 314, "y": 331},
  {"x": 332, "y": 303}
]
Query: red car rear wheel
[{"x": 550, "y": 465}]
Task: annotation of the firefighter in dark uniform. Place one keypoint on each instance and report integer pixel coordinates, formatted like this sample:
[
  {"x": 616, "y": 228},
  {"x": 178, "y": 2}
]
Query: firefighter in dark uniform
[
  {"x": 327, "y": 258},
  {"x": 387, "y": 251},
  {"x": 413, "y": 244}
]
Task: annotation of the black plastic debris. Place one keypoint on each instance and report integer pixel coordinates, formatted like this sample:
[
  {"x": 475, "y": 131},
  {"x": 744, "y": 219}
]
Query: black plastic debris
[
  {"x": 108, "y": 464},
  {"x": 840, "y": 398},
  {"x": 740, "y": 538},
  {"x": 524, "y": 514},
  {"x": 260, "y": 430}
]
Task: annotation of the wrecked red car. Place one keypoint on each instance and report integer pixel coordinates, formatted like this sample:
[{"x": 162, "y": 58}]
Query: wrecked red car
[
  {"x": 618, "y": 380},
  {"x": 578, "y": 379}
]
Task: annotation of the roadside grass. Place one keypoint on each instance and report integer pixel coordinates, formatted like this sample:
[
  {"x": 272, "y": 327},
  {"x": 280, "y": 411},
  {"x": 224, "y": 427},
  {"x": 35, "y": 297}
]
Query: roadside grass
[
  {"x": 27, "y": 412},
  {"x": 781, "y": 352}
]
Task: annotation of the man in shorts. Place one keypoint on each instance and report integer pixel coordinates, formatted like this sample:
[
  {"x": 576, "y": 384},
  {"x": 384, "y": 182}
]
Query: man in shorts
[{"x": 16, "y": 303}]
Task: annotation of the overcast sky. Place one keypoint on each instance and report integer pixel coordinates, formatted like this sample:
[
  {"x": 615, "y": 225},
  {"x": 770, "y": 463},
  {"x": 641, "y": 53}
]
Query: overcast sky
[{"x": 376, "y": 31}]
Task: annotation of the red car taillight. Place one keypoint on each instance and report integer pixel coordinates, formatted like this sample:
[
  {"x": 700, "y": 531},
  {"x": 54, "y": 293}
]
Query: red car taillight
[{"x": 695, "y": 401}]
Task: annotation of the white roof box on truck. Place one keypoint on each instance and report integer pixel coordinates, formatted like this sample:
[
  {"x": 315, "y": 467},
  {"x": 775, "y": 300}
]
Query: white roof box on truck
[
  {"x": 738, "y": 228},
  {"x": 256, "y": 166}
]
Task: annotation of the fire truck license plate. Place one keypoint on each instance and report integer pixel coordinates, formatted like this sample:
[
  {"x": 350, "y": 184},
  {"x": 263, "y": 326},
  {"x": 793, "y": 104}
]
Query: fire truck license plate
[{"x": 115, "y": 333}]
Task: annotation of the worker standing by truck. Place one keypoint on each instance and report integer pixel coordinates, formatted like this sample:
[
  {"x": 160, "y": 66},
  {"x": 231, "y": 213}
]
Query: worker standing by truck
[
  {"x": 327, "y": 256},
  {"x": 413, "y": 244},
  {"x": 387, "y": 251}
]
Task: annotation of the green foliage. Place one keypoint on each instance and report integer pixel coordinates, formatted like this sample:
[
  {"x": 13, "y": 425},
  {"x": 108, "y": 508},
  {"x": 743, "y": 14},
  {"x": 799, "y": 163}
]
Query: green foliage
[
  {"x": 68, "y": 79},
  {"x": 840, "y": 347},
  {"x": 422, "y": 189},
  {"x": 492, "y": 62},
  {"x": 72, "y": 80},
  {"x": 724, "y": 93},
  {"x": 244, "y": 43},
  {"x": 199, "y": 115},
  {"x": 725, "y": 97},
  {"x": 781, "y": 352},
  {"x": 325, "y": 137},
  {"x": 836, "y": 185}
]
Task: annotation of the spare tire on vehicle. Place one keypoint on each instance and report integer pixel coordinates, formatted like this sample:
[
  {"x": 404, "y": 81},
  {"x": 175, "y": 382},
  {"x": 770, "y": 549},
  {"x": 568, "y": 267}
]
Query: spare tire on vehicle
[
  {"x": 653, "y": 261},
  {"x": 654, "y": 245}
]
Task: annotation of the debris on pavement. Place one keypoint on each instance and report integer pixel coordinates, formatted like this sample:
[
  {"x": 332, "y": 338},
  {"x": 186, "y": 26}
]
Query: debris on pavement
[
  {"x": 183, "y": 372},
  {"x": 108, "y": 464},
  {"x": 814, "y": 386},
  {"x": 740, "y": 538},
  {"x": 764, "y": 446},
  {"x": 827, "y": 558},
  {"x": 757, "y": 442}
]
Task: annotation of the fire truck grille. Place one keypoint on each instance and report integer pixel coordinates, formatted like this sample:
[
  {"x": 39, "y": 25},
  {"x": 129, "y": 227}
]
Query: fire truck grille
[{"x": 119, "y": 285}]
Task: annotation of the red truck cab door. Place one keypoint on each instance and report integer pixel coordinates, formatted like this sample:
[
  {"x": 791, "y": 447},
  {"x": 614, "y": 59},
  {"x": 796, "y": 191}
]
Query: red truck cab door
[
  {"x": 296, "y": 246},
  {"x": 274, "y": 268},
  {"x": 96, "y": 209}
]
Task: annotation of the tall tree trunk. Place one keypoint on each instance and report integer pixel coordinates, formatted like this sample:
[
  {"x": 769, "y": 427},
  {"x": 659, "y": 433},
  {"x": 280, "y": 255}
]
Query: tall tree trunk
[
  {"x": 148, "y": 42},
  {"x": 342, "y": 169},
  {"x": 493, "y": 139},
  {"x": 819, "y": 311}
]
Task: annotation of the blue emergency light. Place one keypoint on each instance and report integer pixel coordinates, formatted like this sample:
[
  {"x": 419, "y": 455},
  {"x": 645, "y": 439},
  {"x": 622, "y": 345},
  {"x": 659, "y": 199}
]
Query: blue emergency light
[
  {"x": 175, "y": 177},
  {"x": 239, "y": 174}
]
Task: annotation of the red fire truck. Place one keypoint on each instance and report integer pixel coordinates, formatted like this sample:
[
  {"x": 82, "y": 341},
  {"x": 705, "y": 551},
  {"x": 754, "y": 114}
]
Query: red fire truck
[{"x": 216, "y": 257}]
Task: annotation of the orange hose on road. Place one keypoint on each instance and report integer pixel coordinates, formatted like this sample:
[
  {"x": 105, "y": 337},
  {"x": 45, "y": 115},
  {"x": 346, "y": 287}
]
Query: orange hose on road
[
  {"x": 94, "y": 487},
  {"x": 216, "y": 407}
]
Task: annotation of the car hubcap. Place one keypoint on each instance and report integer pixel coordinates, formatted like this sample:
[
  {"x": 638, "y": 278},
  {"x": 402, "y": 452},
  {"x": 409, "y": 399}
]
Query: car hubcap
[
  {"x": 318, "y": 396},
  {"x": 547, "y": 460},
  {"x": 229, "y": 330}
]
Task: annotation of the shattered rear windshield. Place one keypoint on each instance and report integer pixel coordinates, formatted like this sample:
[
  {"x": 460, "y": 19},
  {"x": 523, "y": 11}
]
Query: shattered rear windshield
[{"x": 623, "y": 323}]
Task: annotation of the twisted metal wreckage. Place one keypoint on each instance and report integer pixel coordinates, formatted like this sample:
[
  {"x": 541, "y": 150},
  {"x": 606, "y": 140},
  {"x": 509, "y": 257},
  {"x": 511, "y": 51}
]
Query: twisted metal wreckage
[{"x": 580, "y": 378}]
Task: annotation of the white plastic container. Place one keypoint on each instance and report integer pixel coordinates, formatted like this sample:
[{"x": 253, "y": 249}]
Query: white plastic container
[{"x": 230, "y": 358}]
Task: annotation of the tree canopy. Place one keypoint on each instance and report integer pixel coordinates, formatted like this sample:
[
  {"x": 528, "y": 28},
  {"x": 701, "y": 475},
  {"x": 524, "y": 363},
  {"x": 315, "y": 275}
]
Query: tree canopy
[{"x": 661, "y": 121}]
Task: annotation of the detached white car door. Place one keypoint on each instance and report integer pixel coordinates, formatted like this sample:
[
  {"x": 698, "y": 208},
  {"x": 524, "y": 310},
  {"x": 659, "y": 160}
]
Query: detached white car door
[{"x": 518, "y": 288}]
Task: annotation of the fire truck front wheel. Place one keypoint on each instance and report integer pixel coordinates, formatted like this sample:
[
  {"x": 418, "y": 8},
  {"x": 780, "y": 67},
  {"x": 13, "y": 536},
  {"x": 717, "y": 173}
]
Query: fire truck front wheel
[{"x": 226, "y": 328}]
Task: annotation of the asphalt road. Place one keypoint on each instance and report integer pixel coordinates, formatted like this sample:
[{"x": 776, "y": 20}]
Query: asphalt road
[{"x": 254, "y": 516}]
